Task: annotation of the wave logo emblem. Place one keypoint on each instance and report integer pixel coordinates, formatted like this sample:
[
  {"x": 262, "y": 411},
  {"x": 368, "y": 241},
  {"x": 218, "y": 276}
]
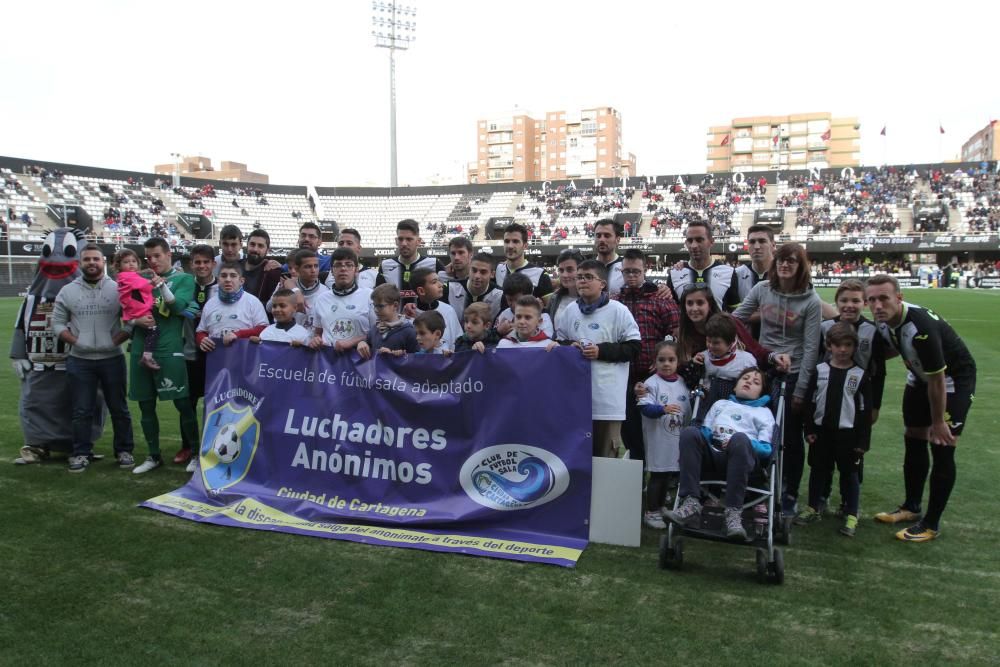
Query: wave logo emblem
[
  {"x": 513, "y": 477},
  {"x": 228, "y": 446}
]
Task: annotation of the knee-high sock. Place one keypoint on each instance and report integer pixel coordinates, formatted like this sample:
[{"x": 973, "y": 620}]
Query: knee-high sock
[
  {"x": 942, "y": 481},
  {"x": 916, "y": 464}
]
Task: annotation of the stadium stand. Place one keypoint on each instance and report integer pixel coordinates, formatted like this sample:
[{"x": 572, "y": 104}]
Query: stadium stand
[{"x": 128, "y": 206}]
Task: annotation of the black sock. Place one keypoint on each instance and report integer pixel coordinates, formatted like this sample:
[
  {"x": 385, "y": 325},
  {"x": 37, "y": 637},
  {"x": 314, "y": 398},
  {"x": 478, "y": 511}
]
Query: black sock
[
  {"x": 916, "y": 465},
  {"x": 942, "y": 481}
]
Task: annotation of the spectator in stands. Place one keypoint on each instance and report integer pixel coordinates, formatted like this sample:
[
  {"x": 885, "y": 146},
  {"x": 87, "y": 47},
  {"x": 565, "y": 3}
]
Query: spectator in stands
[
  {"x": 261, "y": 275},
  {"x": 515, "y": 239},
  {"x": 351, "y": 239}
]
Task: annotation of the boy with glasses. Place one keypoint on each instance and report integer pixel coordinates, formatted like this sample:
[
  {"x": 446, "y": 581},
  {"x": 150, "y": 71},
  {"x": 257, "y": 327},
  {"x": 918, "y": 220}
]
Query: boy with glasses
[
  {"x": 606, "y": 334},
  {"x": 392, "y": 333},
  {"x": 343, "y": 315}
]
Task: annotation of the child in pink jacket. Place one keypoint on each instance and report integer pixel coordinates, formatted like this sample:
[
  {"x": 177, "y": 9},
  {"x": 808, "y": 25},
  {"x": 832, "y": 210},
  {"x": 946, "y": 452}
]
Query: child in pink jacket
[{"x": 135, "y": 292}]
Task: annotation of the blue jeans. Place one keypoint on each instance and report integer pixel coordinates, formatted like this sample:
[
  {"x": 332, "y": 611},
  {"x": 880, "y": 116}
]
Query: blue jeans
[{"x": 85, "y": 377}]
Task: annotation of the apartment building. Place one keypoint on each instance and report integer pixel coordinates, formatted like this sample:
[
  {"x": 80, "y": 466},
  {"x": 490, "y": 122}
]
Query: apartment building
[
  {"x": 796, "y": 141},
  {"x": 585, "y": 143}
]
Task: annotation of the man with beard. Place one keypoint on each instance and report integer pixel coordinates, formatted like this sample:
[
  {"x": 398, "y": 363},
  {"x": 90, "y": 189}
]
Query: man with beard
[
  {"x": 515, "y": 239},
  {"x": 87, "y": 316},
  {"x": 261, "y": 274},
  {"x": 456, "y": 274},
  {"x": 701, "y": 269},
  {"x": 310, "y": 239},
  {"x": 606, "y": 238},
  {"x": 398, "y": 270}
]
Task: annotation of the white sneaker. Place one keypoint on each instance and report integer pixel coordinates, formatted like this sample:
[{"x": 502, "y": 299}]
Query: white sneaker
[
  {"x": 654, "y": 520},
  {"x": 192, "y": 464},
  {"x": 146, "y": 466}
]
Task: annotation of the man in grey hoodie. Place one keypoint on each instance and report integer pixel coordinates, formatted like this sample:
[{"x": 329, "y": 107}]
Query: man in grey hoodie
[{"x": 87, "y": 315}]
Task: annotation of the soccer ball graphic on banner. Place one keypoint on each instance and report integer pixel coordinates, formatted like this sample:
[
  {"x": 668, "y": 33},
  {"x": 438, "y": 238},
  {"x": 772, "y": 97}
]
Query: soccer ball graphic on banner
[{"x": 227, "y": 444}]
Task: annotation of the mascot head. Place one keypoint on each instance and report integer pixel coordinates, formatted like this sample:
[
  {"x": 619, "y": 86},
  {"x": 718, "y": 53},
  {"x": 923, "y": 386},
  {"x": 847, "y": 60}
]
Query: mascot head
[{"x": 59, "y": 263}]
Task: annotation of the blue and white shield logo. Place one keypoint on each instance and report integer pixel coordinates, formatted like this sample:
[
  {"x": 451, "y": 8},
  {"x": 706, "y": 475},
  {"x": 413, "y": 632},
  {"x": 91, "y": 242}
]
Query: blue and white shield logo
[{"x": 228, "y": 446}]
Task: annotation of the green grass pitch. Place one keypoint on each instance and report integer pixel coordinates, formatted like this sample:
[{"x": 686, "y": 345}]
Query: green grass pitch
[{"x": 88, "y": 578}]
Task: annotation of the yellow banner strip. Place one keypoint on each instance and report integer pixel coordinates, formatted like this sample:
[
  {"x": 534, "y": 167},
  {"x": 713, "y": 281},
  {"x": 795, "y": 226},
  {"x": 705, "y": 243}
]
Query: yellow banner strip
[{"x": 253, "y": 512}]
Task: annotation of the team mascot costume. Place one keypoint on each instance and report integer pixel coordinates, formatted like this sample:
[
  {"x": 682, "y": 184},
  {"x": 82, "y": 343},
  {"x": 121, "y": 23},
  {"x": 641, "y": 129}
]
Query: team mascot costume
[{"x": 39, "y": 357}]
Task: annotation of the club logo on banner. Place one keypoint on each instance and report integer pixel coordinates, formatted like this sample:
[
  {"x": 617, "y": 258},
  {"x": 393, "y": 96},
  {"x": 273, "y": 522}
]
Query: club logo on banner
[
  {"x": 228, "y": 446},
  {"x": 514, "y": 477},
  {"x": 421, "y": 451}
]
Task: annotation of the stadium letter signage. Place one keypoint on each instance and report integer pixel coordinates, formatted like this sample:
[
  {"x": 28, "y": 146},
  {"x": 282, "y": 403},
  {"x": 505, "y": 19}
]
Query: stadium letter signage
[{"x": 445, "y": 454}]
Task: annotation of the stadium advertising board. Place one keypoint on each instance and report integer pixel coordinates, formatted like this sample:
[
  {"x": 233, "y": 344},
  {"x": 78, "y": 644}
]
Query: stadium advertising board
[
  {"x": 769, "y": 216},
  {"x": 420, "y": 451}
]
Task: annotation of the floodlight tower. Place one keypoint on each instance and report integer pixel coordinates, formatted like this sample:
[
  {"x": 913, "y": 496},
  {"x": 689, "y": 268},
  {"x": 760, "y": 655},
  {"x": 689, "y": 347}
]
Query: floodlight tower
[{"x": 394, "y": 27}]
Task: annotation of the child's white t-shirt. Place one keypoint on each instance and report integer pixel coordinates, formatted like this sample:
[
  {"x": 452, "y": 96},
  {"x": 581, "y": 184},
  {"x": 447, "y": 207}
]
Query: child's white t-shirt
[
  {"x": 510, "y": 343},
  {"x": 730, "y": 370},
  {"x": 662, "y": 434},
  {"x": 612, "y": 323},
  {"x": 218, "y": 318},
  {"x": 343, "y": 317},
  {"x": 546, "y": 324},
  {"x": 296, "y": 332}
]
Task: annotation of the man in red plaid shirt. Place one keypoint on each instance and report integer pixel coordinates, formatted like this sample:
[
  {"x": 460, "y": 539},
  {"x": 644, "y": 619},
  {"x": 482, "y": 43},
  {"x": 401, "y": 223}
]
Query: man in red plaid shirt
[{"x": 657, "y": 315}]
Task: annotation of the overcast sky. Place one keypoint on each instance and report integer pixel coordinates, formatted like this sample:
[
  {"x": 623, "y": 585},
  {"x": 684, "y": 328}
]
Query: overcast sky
[{"x": 297, "y": 90}]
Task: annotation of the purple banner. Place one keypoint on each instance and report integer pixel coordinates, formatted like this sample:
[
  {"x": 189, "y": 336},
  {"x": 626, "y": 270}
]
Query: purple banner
[{"x": 483, "y": 454}]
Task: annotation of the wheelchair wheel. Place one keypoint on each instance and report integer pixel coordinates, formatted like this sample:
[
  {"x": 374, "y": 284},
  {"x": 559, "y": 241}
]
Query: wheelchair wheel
[
  {"x": 777, "y": 568},
  {"x": 762, "y": 565},
  {"x": 671, "y": 558},
  {"x": 784, "y": 533}
]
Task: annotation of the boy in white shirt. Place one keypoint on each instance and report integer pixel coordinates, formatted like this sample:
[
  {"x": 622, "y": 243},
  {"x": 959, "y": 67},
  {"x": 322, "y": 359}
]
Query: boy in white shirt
[
  {"x": 343, "y": 316},
  {"x": 527, "y": 322},
  {"x": 427, "y": 285},
  {"x": 305, "y": 283},
  {"x": 605, "y": 333},
  {"x": 231, "y": 313},
  {"x": 285, "y": 329},
  {"x": 519, "y": 285}
]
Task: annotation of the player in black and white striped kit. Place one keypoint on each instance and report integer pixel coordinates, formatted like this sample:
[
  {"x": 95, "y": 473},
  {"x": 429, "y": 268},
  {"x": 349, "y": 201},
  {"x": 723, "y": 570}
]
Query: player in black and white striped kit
[
  {"x": 719, "y": 276},
  {"x": 939, "y": 391},
  {"x": 515, "y": 238},
  {"x": 399, "y": 270}
]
